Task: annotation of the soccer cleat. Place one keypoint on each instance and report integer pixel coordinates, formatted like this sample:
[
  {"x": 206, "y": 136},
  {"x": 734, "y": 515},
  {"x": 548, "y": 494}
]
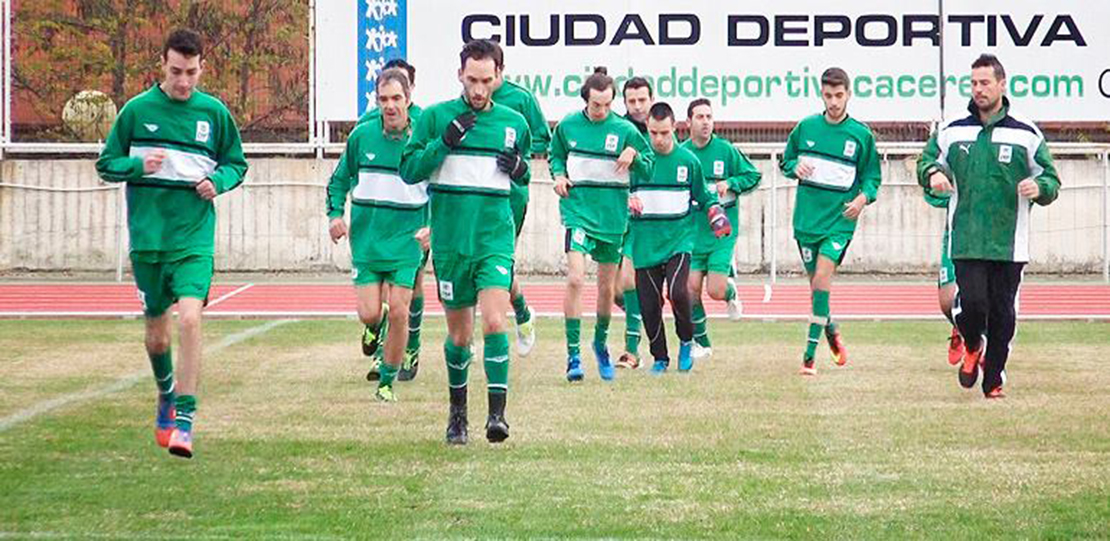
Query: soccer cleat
[
  {"x": 164, "y": 421},
  {"x": 181, "y": 443},
  {"x": 956, "y": 347},
  {"x": 372, "y": 336},
  {"x": 457, "y": 425},
  {"x": 701, "y": 352},
  {"x": 836, "y": 345},
  {"x": 808, "y": 368},
  {"x": 574, "y": 368},
  {"x": 375, "y": 369},
  {"x": 969, "y": 370},
  {"x": 995, "y": 393},
  {"x": 385, "y": 394},
  {"x": 685, "y": 358},
  {"x": 659, "y": 367},
  {"x": 497, "y": 430},
  {"x": 525, "y": 338},
  {"x": 735, "y": 307},
  {"x": 628, "y": 360},
  {"x": 604, "y": 363},
  {"x": 410, "y": 366}
]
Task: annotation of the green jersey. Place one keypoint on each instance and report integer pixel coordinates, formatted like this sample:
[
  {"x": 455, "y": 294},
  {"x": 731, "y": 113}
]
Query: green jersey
[
  {"x": 722, "y": 162},
  {"x": 471, "y": 216},
  {"x": 414, "y": 113},
  {"x": 386, "y": 212},
  {"x": 985, "y": 162},
  {"x": 166, "y": 218},
  {"x": 845, "y": 164},
  {"x": 586, "y": 153},
  {"x": 662, "y": 229}
]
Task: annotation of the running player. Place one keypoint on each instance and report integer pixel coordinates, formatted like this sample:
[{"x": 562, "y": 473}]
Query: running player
[
  {"x": 833, "y": 156},
  {"x": 638, "y": 99},
  {"x": 996, "y": 165},
  {"x": 471, "y": 150},
  {"x": 662, "y": 237},
  {"x": 946, "y": 281},
  {"x": 519, "y": 99},
  {"x": 388, "y": 220},
  {"x": 728, "y": 174},
  {"x": 593, "y": 154},
  {"x": 177, "y": 148}
]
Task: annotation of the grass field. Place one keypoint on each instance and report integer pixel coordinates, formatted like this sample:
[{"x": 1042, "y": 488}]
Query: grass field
[{"x": 290, "y": 444}]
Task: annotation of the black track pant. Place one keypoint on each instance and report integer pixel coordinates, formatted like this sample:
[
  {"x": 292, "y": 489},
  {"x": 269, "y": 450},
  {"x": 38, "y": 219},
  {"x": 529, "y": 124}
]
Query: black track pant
[
  {"x": 649, "y": 288},
  {"x": 986, "y": 305}
]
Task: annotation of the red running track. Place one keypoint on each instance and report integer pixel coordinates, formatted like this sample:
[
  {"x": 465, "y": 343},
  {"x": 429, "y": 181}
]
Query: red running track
[{"x": 786, "y": 301}]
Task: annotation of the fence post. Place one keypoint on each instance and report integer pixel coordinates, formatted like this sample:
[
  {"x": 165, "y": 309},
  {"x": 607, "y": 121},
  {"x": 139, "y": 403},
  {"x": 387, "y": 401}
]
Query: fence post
[
  {"x": 1106, "y": 216},
  {"x": 774, "y": 216},
  {"x": 121, "y": 219}
]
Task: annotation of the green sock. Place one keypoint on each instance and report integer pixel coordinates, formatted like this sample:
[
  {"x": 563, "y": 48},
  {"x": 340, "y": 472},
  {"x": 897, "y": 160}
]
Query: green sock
[
  {"x": 574, "y": 333},
  {"x": 701, "y": 330},
  {"x": 817, "y": 322},
  {"x": 520, "y": 307},
  {"x": 186, "y": 406},
  {"x": 162, "y": 363},
  {"x": 388, "y": 372},
  {"x": 416, "y": 317},
  {"x": 458, "y": 364},
  {"x": 632, "y": 321},
  {"x": 601, "y": 330},
  {"x": 730, "y": 291},
  {"x": 496, "y": 361}
]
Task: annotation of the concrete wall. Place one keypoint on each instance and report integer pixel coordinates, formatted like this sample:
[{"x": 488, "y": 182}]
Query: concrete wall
[{"x": 55, "y": 214}]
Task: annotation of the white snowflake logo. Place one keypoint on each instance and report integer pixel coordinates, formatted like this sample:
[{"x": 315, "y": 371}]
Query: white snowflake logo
[
  {"x": 373, "y": 67},
  {"x": 380, "y": 9},
  {"x": 379, "y": 39}
]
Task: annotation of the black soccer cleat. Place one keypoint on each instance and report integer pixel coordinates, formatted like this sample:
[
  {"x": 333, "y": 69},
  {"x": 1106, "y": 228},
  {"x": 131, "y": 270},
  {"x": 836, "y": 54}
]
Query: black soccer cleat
[
  {"x": 497, "y": 430},
  {"x": 410, "y": 366},
  {"x": 457, "y": 426}
]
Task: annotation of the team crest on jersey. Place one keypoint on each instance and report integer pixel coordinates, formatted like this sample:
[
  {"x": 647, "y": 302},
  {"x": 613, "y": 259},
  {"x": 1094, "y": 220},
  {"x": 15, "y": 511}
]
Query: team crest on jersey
[
  {"x": 611, "y": 142},
  {"x": 151, "y": 127},
  {"x": 850, "y": 149},
  {"x": 683, "y": 174},
  {"x": 370, "y": 156},
  {"x": 1005, "y": 153},
  {"x": 446, "y": 290},
  {"x": 204, "y": 131},
  {"x": 510, "y": 137},
  {"x": 807, "y": 255},
  {"x": 719, "y": 168}
]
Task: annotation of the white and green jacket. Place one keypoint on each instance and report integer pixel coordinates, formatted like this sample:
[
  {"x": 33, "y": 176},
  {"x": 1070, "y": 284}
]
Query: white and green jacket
[{"x": 985, "y": 162}]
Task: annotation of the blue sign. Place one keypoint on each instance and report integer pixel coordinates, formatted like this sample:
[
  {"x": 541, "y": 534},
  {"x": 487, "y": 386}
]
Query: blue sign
[{"x": 382, "y": 30}]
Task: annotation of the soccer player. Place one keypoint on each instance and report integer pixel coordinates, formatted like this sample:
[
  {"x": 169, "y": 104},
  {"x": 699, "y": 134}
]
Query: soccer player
[
  {"x": 593, "y": 154},
  {"x": 638, "y": 100},
  {"x": 519, "y": 99},
  {"x": 946, "y": 281},
  {"x": 471, "y": 150},
  {"x": 729, "y": 174},
  {"x": 177, "y": 148},
  {"x": 371, "y": 335},
  {"x": 662, "y": 239},
  {"x": 833, "y": 156},
  {"x": 995, "y": 164},
  {"x": 388, "y": 220}
]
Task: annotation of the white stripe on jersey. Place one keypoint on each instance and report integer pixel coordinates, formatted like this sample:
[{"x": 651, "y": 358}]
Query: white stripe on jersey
[
  {"x": 587, "y": 169},
  {"x": 389, "y": 188},
  {"x": 664, "y": 203},
  {"x": 178, "y": 165},
  {"x": 467, "y": 171}
]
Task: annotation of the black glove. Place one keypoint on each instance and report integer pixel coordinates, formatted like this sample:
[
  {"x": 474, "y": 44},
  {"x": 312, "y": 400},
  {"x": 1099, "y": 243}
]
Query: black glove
[
  {"x": 458, "y": 127},
  {"x": 512, "y": 164}
]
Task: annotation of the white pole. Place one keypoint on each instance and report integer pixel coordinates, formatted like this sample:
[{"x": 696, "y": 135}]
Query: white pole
[
  {"x": 1106, "y": 216},
  {"x": 6, "y": 136},
  {"x": 312, "y": 134},
  {"x": 774, "y": 216},
  {"x": 121, "y": 202}
]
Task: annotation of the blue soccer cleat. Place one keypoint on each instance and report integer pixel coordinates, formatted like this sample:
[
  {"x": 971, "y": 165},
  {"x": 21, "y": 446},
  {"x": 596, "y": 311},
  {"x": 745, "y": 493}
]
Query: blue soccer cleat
[
  {"x": 604, "y": 364},
  {"x": 574, "y": 368},
  {"x": 685, "y": 356}
]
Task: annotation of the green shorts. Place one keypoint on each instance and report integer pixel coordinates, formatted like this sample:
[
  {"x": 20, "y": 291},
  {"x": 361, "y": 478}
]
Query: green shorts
[
  {"x": 461, "y": 278},
  {"x": 947, "y": 268},
  {"x": 834, "y": 247},
  {"x": 717, "y": 262},
  {"x": 626, "y": 246},
  {"x": 366, "y": 275},
  {"x": 578, "y": 240},
  {"x": 161, "y": 284}
]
